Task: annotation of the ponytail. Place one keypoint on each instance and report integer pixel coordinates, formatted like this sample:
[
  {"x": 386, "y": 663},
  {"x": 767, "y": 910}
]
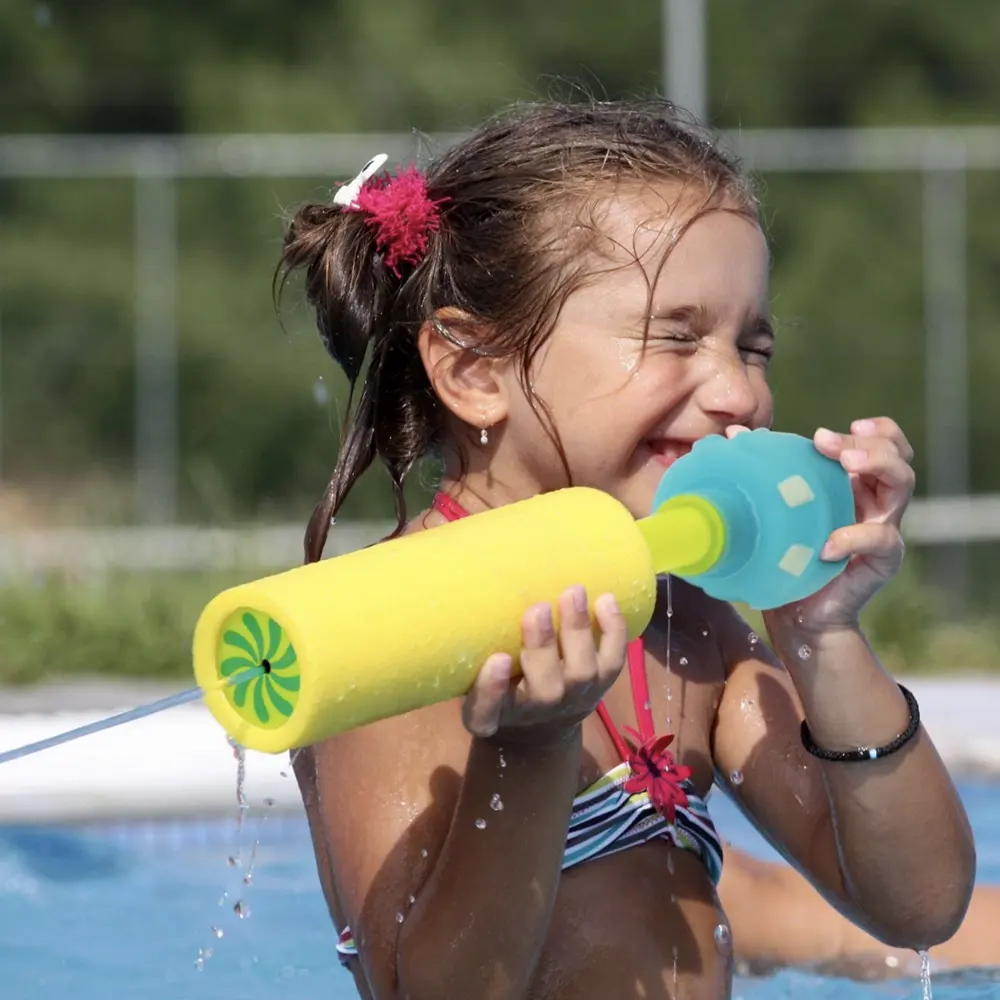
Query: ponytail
[{"x": 354, "y": 296}]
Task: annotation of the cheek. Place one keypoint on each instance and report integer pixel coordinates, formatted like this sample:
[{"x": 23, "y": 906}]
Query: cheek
[
  {"x": 661, "y": 382},
  {"x": 765, "y": 399},
  {"x": 572, "y": 384}
]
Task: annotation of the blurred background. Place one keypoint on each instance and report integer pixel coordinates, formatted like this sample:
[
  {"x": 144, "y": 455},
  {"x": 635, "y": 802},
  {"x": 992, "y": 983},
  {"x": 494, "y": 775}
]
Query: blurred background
[{"x": 163, "y": 433}]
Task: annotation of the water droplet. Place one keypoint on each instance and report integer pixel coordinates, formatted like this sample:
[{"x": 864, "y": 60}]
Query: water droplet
[
  {"x": 496, "y": 804},
  {"x": 412, "y": 900},
  {"x": 723, "y": 938},
  {"x": 804, "y": 652},
  {"x": 223, "y": 898},
  {"x": 646, "y": 706},
  {"x": 753, "y": 638},
  {"x": 798, "y": 616},
  {"x": 747, "y": 702},
  {"x": 268, "y": 803},
  {"x": 204, "y": 954},
  {"x": 248, "y": 878},
  {"x": 400, "y": 918},
  {"x": 683, "y": 661},
  {"x": 241, "y": 909},
  {"x": 891, "y": 961},
  {"x": 284, "y": 774},
  {"x": 670, "y": 861},
  {"x": 736, "y": 777},
  {"x": 673, "y": 898},
  {"x": 321, "y": 394},
  {"x": 333, "y": 521},
  {"x": 503, "y": 760},
  {"x": 232, "y": 862},
  {"x": 217, "y": 932},
  {"x": 480, "y": 824},
  {"x": 704, "y": 632}
]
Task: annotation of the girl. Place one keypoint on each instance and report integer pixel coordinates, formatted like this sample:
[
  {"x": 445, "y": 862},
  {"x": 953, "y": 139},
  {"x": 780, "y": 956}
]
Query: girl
[{"x": 576, "y": 294}]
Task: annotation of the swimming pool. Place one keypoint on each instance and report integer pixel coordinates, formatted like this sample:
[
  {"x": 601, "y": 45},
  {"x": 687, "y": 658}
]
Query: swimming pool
[{"x": 122, "y": 911}]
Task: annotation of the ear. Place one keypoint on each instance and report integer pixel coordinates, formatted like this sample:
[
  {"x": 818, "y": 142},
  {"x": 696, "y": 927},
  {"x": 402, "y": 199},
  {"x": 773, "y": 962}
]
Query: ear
[{"x": 472, "y": 386}]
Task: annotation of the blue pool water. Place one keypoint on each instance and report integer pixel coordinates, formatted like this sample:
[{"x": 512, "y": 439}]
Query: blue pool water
[{"x": 122, "y": 911}]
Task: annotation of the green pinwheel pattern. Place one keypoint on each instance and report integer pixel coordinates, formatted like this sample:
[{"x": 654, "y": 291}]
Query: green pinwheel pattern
[{"x": 252, "y": 640}]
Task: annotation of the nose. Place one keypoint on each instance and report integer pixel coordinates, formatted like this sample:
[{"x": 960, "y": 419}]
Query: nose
[{"x": 725, "y": 390}]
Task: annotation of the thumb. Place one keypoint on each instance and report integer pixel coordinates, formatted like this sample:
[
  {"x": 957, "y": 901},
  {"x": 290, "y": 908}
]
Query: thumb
[{"x": 484, "y": 703}]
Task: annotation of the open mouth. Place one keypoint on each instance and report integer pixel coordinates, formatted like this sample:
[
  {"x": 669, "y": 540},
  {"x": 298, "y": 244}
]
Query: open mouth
[{"x": 666, "y": 451}]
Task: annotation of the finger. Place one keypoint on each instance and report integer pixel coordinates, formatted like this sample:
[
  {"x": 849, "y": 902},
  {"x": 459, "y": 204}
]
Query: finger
[
  {"x": 833, "y": 444},
  {"x": 484, "y": 704},
  {"x": 866, "y": 435},
  {"x": 884, "y": 427},
  {"x": 541, "y": 664},
  {"x": 869, "y": 459},
  {"x": 733, "y": 429},
  {"x": 880, "y": 543},
  {"x": 614, "y": 638},
  {"x": 882, "y": 464},
  {"x": 576, "y": 638}
]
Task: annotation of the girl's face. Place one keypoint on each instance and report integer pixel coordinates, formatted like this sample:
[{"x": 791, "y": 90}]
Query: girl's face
[{"x": 624, "y": 414}]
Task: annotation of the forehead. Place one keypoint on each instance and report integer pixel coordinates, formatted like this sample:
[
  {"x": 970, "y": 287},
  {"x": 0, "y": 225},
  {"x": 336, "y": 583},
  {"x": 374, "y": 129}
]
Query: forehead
[{"x": 668, "y": 234}]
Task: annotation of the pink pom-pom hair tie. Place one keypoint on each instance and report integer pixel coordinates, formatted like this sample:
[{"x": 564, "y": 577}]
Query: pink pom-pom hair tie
[{"x": 398, "y": 208}]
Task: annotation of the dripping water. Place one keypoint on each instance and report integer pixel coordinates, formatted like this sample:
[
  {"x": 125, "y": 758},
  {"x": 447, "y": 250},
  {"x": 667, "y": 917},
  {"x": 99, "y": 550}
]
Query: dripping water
[
  {"x": 241, "y": 908},
  {"x": 925, "y": 974},
  {"x": 670, "y": 619}
]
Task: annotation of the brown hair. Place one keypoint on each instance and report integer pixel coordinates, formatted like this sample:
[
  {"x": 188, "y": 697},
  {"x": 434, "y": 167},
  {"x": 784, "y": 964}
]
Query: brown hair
[{"x": 502, "y": 257}]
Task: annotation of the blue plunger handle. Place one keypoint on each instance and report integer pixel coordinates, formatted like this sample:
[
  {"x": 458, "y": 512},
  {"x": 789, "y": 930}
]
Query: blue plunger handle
[{"x": 779, "y": 499}]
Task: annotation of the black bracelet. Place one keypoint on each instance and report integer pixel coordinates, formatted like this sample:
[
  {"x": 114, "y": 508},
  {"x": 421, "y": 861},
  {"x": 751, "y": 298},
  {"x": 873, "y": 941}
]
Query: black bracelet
[{"x": 869, "y": 753}]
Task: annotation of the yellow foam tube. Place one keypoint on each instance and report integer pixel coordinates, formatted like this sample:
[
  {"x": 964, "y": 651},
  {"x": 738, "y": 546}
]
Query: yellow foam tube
[{"x": 409, "y": 622}]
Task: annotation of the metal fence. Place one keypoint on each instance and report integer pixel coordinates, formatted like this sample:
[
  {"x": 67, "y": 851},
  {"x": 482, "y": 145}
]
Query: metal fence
[
  {"x": 154, "y": 165},
  {"x": 86, "y": 552}
]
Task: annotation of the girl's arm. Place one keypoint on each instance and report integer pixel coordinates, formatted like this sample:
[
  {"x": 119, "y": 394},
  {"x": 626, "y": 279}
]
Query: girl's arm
[
  {"x": 400, "y": 820},
  {"x": 886, "y": 841},
  {"x": 447, "y": 848}
]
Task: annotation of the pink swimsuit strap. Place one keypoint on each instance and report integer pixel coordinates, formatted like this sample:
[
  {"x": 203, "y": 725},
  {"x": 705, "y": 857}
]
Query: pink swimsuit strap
[{"x": 449, "y": 508}]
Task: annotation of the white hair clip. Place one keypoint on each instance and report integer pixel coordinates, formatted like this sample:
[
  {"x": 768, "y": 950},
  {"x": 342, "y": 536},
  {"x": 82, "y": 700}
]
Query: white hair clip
[{"x": 347, "y": 195}]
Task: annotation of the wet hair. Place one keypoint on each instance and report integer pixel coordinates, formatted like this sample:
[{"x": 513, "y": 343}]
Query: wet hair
[{"x": 510, "y": 249}]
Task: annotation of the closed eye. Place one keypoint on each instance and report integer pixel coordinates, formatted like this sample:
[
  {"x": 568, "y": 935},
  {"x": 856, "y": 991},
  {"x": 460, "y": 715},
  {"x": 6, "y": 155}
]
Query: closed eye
[{"x": 758, "y": 340}]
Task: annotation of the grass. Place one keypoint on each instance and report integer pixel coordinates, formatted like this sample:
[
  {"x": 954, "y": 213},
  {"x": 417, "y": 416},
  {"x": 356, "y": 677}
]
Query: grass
[
  {"x": 140, "y": 626},
  {"x": 136, "y": 626}
]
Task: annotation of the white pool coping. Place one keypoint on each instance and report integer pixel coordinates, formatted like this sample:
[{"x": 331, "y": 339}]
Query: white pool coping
[{"x": 179, "y": 763}]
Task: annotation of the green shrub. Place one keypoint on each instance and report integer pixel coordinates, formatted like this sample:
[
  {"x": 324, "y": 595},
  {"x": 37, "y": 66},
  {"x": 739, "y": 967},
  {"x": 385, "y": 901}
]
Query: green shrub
[{"x": 140, "y": 626}]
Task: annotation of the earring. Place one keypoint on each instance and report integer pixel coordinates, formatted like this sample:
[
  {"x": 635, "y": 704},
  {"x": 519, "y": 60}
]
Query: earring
[{"x": 484, "y": 437}]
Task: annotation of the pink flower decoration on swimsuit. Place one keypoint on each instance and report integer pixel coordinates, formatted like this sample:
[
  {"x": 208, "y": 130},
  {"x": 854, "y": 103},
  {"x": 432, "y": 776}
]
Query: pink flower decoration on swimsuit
[
  {"x": 654, "y": 771},
  {"x": 402, "y": 214}
]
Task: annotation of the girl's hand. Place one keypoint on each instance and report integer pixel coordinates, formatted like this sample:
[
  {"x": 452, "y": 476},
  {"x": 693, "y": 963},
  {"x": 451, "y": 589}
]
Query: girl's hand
[
  {"x": 877, "y": 456},
  {"x": 563, "y": 676}
]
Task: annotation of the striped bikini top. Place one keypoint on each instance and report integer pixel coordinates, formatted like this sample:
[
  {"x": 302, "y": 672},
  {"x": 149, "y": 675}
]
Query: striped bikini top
[{"x": 648, "y": 796}]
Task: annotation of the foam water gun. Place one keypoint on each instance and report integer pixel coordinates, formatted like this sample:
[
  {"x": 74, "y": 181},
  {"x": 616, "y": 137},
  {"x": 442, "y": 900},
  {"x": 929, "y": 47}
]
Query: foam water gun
[{"x": 409, "y": 622}]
